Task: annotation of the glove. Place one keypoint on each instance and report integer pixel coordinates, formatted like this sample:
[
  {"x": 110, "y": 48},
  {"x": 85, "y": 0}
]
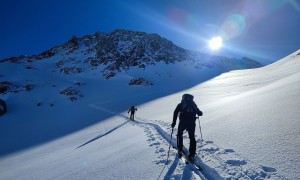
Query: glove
[
  {"x": 173, "y": 125},
  {"x": 201, "y": 113}
]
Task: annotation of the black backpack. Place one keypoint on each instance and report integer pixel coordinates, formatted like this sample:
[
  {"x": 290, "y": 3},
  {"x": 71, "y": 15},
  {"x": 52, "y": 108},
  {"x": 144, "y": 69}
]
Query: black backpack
[{"x": 188, "y": 105}]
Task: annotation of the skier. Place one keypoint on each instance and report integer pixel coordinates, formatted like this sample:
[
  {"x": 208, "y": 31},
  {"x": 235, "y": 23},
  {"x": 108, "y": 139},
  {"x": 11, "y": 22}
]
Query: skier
[
  {"x": 188, "y": 110},
  {"x": 132, "y": 111}
]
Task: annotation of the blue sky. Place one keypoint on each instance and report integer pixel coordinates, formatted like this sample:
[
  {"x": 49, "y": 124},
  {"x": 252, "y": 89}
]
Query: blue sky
[{"x": 264, "y": 30}]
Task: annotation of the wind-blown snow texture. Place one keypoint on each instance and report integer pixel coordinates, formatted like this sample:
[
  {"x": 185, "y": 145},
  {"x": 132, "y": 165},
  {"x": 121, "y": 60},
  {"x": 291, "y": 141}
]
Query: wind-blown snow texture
[{"x": 67, "y": 113}]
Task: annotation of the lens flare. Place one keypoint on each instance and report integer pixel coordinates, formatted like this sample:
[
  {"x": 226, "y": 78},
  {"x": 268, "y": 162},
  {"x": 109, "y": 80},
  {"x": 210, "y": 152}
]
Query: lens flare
[
  {"x": 233, "y": 26},
  {"x": 295, "y": 5}
]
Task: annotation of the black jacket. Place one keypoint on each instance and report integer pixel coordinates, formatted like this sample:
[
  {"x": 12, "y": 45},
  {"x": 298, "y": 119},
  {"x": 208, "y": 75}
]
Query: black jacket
[
  {"x": 186, "y": 117},
  {"x": 132, "y": 110}
]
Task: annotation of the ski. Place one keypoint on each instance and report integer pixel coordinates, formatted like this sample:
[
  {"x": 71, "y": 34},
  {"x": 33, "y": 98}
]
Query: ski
[{"x": 185, "y": 159}]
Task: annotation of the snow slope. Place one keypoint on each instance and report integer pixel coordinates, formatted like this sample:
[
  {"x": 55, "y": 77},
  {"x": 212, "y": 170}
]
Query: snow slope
[
  {"x": 250, "y": 125},
  {"x": 100, "y": 69},
  {"x": 253, "y": 112}
]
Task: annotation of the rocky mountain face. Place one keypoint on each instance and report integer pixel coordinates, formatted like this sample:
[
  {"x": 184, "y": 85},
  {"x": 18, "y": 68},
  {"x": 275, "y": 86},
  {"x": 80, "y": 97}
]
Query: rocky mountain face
[
  {"x": 119, "y": 51},
  {"x": 124, "y": 49}
]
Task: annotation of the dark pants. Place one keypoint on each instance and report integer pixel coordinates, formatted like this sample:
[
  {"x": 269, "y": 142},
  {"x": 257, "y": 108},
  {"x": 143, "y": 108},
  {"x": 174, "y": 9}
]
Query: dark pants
[
  {"x": 191, "y": 131},
  {"x": 132, "y": 116}
]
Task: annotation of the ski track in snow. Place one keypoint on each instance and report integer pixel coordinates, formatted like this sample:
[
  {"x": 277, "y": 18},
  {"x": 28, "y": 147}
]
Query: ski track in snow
[{"x": 216, "y": 162}]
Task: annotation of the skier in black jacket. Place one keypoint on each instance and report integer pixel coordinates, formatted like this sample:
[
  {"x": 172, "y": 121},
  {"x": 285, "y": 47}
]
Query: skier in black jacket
[
  {"x": 188, "y": 110},
  {"x": 132, "y": 111}
]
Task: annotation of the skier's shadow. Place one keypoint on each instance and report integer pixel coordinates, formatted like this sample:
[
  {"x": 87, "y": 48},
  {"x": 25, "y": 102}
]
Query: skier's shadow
[
  {"x": 172, "y": 168},
  {"x": 187, "y": 173}
]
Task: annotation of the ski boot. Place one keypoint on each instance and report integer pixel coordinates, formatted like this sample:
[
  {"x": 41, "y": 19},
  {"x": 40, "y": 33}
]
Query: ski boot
[
  {"x": 180, "y": 152},
  {"x": 191, "y": 157}
]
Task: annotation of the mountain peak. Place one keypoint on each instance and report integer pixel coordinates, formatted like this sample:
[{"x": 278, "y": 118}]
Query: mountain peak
[{"x": 121, "y": 50}]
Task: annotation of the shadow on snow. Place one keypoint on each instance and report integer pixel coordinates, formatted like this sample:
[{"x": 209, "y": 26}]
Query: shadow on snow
[
  {"x": 101, "y": 135},
  {"x": 21, "y": 133}
]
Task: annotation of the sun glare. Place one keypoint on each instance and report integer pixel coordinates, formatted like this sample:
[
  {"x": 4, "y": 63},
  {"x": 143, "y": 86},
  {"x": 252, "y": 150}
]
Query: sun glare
[{"x": 215, "y": 43}]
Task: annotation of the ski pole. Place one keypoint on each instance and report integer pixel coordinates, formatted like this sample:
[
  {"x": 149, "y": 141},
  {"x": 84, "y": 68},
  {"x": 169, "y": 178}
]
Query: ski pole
[
  {"x": 200, "y": 128},
  {"x": 169, "y": 146}
]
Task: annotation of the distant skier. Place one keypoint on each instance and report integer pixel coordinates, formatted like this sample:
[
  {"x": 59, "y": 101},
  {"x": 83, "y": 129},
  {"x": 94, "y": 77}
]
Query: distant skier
[
  {"x": 188, "y": 110},
  {"x": 132, "y": 111}
]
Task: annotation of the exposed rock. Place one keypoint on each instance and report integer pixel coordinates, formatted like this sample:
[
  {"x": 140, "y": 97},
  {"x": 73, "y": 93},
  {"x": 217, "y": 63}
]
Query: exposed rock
[
  {"x": 71, "y": 45},
  {"x": 7, "y": 87},
  {"x": 108, "y": 75},
  {"x": 59, "y": 64},
  {"x": 121, "y": 50},
  {"x": 3, "y": 107},
  {"x": 70, "y": 70},
  {"x": 71, "y": 93},
  {"x": 14, "y": 60},
  {"x": 79, "y": 84},
  {"x": 29, "y": 87},
  {"x": 92, "y": 62},
  {"x": 46, "y": 54},
  {"x": 3, "y": 88},
  {"x": 140, "y": 81}
]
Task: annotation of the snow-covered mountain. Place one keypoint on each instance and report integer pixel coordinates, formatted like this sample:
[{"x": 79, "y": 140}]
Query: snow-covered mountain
[
  {"x": 120, "y": 65},
  {"x": 67, "y": 112},
  {"x": 120, "y": 51}
]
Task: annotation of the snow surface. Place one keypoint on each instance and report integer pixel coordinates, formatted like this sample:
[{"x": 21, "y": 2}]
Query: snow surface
[{"x": 250, "y": 126}]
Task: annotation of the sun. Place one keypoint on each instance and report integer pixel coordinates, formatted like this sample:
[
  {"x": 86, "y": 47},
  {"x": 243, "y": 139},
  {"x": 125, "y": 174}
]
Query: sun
[{"x": 215, "y": 43}]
